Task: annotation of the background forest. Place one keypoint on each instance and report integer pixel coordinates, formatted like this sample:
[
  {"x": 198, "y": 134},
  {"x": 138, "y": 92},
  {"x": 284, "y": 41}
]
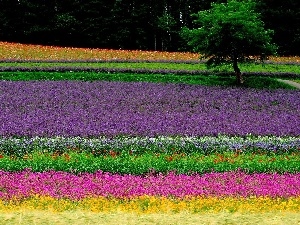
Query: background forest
[{"x": 129, "y": 24}]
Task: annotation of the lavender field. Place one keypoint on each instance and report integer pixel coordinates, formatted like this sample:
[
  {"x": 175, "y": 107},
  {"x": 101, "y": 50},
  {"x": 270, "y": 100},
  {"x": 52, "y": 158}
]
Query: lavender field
[
  {"x": 74, "y": 108},
  {"x": 145, "y": 147}
]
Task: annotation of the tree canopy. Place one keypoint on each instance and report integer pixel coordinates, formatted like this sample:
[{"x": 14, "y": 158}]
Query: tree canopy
[{"x": 230, "y": 32}]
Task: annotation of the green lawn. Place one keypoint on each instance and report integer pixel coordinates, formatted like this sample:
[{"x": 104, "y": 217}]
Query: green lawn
[
  {"x": 251, "y": 67},
  {"x": 209, "y": 80}
]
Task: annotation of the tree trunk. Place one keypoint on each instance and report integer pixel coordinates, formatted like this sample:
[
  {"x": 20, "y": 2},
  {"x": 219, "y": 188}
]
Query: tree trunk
[
  {"x": 155, "y": 42},
  {"x": 239, "y": 78}
]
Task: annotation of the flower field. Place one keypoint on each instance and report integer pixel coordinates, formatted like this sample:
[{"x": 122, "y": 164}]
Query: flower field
[
  {"x": 63, "y": 185},
  {"x": 17, "y": 51},
  {"x": 69, "y": 108},
  {"x": 145, "y": 148}
]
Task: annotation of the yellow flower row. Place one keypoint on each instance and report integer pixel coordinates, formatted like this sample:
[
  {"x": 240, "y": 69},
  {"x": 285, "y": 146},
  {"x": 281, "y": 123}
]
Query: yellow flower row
[{"x": 152, "y": 204}]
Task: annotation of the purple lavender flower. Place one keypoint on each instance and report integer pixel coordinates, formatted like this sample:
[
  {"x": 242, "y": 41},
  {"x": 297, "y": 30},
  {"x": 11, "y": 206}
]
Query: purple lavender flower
[{"x": 73, "y": 108}]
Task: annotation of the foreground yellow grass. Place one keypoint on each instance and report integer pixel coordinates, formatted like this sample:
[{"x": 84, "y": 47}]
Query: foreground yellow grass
[
  {"x": 152, "y": 204},
  {"x": 85, "y": 218}
]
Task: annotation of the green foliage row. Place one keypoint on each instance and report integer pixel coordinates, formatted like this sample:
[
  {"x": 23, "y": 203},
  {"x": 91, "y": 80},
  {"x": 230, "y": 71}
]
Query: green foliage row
[
  {"x": 153, "y": 163},
  {"x": 245, "y": 67},
  {"x": 208, "y": 80}
]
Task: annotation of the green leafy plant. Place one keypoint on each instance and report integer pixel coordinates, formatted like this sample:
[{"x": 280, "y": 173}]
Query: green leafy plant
[{"x": 126, "y": 163}]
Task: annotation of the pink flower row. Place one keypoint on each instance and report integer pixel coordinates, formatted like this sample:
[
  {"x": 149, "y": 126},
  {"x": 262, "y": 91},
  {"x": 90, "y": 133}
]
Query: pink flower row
[{"x": 66, "y": 185}]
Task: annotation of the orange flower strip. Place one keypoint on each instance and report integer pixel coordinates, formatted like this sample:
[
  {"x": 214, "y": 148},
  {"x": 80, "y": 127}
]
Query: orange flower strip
[{"x": 16, "y": 51}]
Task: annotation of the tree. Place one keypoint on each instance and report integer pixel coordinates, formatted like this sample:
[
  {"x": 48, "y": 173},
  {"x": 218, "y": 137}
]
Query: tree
[
  {"x": 230, "y": 32},
  {"x": 166, "y": 24},
  {"x": 284, "y": 18}
]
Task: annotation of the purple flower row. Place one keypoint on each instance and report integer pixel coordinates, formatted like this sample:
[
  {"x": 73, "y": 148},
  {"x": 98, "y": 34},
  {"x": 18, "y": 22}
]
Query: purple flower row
[
  {"x": 65, "y": 185},
  {"x": 74, "y": 108}
]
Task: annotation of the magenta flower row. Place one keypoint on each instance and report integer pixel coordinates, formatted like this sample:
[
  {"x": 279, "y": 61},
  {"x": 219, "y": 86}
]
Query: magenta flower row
[{"x": 66, "y": 185}]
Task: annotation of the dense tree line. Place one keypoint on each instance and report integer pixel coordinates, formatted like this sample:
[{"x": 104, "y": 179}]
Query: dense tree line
[{"x": 129, "y": 24}]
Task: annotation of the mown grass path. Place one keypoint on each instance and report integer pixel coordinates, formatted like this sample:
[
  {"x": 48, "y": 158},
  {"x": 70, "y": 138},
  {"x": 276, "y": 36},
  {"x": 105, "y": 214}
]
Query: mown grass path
[
  {"x": 84, "y": 217},
  {"x": 292, "y": 83}
]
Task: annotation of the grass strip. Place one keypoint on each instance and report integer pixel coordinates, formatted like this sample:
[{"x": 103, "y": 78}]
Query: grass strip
[
  {"x": 127, "y": 163},
  {"x": 298, "y": 81},
  {"x": 245, "y": 67},
  {"x": 207, "y": 80}
]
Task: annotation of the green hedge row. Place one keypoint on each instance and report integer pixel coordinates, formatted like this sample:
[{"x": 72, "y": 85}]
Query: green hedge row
[
  {"x": 211, "y": 79},
  {"x": 128, "y": 163}
]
